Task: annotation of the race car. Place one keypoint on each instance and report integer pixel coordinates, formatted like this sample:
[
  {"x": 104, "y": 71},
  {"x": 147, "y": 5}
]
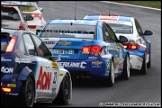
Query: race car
[
  {"x": 87, "y": 49},
  {"x": 29, "y": 72},
  {"x": 138, "y": 46},
  {"x": 30, "y": 8},
  {"x": 12, "y": 17}
]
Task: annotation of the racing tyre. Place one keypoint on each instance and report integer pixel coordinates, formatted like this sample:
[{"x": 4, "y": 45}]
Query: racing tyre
[
  {"x": 149, "y": 63},
  {"x": 111, "y": 78},
  {"x": 144, "y": 66},
  {"x": 64, "y": 92},
  {"x": 126, "y": 68},
  {"x": 27, "y": 94}
]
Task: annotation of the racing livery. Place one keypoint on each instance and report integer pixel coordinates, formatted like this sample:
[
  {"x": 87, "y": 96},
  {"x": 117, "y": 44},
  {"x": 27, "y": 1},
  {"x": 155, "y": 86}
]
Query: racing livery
[
  {"x": 138, "y": 46},
  {"x": 29, "y": 72},
  {"x": 87, "y": 49}
]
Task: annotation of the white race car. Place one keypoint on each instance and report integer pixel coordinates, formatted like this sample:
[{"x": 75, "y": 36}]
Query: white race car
[
  {"x": 138, "y": 46},
  {"x": 32, "y": 9}
]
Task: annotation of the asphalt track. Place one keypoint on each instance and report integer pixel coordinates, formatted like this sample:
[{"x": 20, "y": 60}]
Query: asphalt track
[{"x": 140, "y": 89}]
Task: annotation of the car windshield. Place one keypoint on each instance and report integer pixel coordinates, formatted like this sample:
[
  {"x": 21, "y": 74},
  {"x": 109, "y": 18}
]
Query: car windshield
[
  {"x": 121, "y": 28},
  {"x": 69, "y": 31},
  {"x": 9, "y": 13},
  {"x": 28, "y": 6}
]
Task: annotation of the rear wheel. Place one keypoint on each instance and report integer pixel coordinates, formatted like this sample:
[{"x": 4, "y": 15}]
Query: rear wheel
[
  {"x": 144, "y": 65},
  {"x": 64, "y": 92},
  {"x": 126, "y": 68},
  {"x": 111, "y": 78},
  {"x": 28, "y": 94}
]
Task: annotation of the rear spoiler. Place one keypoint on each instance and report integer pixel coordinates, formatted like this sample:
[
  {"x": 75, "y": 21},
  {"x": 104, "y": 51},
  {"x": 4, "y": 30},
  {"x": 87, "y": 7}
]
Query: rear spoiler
[{"x": 65, "y": 31}]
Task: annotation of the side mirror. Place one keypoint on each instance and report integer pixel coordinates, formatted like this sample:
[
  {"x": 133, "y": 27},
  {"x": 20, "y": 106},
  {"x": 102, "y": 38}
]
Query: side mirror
[
  {"x": 28, "y": 18},
  {"x": 41, "y": 9},
  {"x": 148, "y": 32},
  {"x": 123, "y": 39}
]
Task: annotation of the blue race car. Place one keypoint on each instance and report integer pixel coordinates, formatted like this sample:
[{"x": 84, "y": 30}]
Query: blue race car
[
  {"x": 138, "y": 46},
  {"x": 87, "y": 49},
  {"x": 29, "y": 72}
]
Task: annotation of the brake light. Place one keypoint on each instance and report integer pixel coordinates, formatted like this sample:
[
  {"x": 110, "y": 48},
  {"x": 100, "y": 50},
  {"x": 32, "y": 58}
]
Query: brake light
[
  {"x": 11, "y": 45},
  {"x": 93, "y": 50},
  {"x": 130, "y": 46},
  {"x": 5, "y": 89},
  {"x": 22, "y": 26},
  {"x": 37, "y": 15},
  {"x": 86, "y": 49}
]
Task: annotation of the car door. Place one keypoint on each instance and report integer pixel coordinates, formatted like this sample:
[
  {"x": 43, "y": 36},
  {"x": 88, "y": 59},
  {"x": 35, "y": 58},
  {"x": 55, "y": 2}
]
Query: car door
[
  {"x": 114, "y": 47},
  {"x": 45, "y": 75}
]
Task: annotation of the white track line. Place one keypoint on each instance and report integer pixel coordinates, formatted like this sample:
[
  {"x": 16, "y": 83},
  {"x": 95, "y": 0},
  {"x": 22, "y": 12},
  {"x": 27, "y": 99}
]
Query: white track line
[{"x": 131, "y": 5}]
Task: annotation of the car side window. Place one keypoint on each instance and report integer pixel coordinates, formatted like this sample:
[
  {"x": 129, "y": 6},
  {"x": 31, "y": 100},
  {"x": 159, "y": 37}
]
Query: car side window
[
  {"x": 139, "y": 29},
  {"x": 29, "y": 45},
  {"x": 106, "y": 36},
  {"x": 111, "y": 32},
  {"x": 42, "y": 49},
  {"x": 22, "y": 48}
]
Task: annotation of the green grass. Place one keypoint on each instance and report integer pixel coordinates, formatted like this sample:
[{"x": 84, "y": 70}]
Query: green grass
[{"x": 154, "y": 4}]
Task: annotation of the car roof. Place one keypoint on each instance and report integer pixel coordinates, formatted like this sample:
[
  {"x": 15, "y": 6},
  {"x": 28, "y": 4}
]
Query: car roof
[
  {"x": 12, "y": 32},
  {"x": 72, "y": 21},
  {"x": 104, "y": 16},
  {"x": 14, "y": 3}
]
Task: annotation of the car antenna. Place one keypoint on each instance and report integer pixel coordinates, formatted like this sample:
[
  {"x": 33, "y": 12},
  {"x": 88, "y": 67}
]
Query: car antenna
[
  {"x": 75, "y": 10},
  {"x": 109, "y": 9}
]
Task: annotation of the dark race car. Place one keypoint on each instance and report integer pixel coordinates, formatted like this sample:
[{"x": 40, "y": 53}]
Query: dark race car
[{"x": 29, "y": 72}]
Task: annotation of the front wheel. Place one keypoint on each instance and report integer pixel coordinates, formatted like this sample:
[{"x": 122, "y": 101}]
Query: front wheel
[
  {"x": 126, "y": 68},
  {"x": 64, "y": 92},
  {"x": 144, "y": 65}
]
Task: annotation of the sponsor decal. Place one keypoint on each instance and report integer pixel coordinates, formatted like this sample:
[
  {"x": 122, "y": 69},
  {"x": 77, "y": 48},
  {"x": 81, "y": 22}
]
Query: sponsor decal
[
  {"x": 116, "y": 62},
  {"x": 61, "y": 74},
  {"x": 114, "y": 48},
  {"x": 22, "y": 60},
  {"x": 92, "y": 57},
  {"x": 73, "y": 64},
  {"x": 44, "y": 80},
  {"x": 13, "y": 94},
  {"x": 64, "y": 43},
  {"x": 11, "y": 85},
  {"x": 7, "y": 69},
  {"x": 49, "y": 42},
  {"x": 4, "y": 59},
  {"x": 55, "y": 78},
  {"x": 54, "y": 65},
  {"x": 107, "y": 66},
  {"x": 96, "y": 63},
  {"x": 53, "y": 90}
]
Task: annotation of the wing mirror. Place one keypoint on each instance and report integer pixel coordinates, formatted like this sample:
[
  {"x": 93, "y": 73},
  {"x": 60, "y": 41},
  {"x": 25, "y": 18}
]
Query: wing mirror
[
  {"x": 123, "y": 39},
  {"x": 41, "y": 9},
  {"x": 148, "y": 32},
  {"x": 28, "y": 18}
]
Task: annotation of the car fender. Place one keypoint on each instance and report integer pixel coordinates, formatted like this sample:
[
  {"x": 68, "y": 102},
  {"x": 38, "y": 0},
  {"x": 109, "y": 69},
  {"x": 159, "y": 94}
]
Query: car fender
[
  {"x": 107, "y": 56},
  {"x": 24, "y": 74}
]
